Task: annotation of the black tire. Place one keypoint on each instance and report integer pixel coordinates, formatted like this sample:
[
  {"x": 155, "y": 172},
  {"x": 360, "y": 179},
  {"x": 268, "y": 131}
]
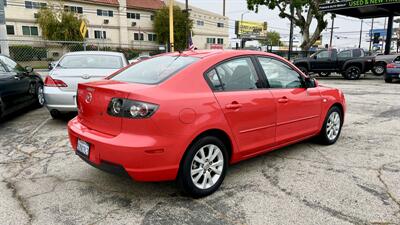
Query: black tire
[
  {"x": 303, "y": 69},
  {"x": 353, "y": 73},
  {"x": 185, "y": 181},
  {"x": 379, "y": 69},
  {"x": 39, "y": 96},
  {"x": 323, "y": 137},
  {"x": 388, "y": 80},
  {"x": 1, "y": 110},
  {"x": 55, "y": 114},
  {"x": 324, "y": 74}
]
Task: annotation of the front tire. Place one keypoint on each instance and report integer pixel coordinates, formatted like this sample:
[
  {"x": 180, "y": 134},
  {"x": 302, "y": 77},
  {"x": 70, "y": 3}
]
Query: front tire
[
  {"x": 332, "y": 126},
  {"x": 379, "y": 69},
  {"x": 203, "y": 167},
  {"x": 353, "y": 73}
]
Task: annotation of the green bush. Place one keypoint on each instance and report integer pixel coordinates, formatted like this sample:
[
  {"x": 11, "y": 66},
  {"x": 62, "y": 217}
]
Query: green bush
[{"x": 27, "y": 53}]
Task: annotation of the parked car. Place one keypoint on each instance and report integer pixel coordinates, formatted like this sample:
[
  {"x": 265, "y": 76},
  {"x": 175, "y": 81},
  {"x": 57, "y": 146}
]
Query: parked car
[
  {"x": 73, "y": 68},
  {"x": 19, "y": 87},
  {"x": 381, "y": 61},
  {"x": 187, "y": 116},
  {"x": 139, "y": 58},
  {"x": 350, "y": 63},
  {"x": 393, "y": 70}
]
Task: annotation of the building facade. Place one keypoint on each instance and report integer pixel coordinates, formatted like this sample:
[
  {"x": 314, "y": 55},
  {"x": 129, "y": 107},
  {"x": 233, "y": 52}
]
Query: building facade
[{"x": 123, "y": 23}]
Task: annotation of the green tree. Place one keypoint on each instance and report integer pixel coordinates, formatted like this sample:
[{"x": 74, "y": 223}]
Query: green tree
[
  {"x": 181, "y": 23},
  {"x": 304, "y": 14},
  {"x": 273, "y": 38},
  {"x": 60, "y": 25}
]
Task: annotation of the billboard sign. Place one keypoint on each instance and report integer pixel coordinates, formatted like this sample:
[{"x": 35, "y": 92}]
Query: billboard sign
[
  {"x": 354, "y": 4},
  {"x": 253, "y": 30}
]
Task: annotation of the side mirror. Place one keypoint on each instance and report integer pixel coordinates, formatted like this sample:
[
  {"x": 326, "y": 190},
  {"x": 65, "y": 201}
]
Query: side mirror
[
  {"x": 314, "y": 57},
  {"x": 310, "y": 82},
  {"x": 51, "y": 66},
  {"x": 29, "y": 69}
]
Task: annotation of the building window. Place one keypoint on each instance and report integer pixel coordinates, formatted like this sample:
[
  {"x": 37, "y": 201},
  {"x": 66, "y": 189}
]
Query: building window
[
  {"x": 152, "y": 37},
  {"x": 136, "y": 36},
  {"x": 200, "y": 23},
  {"x": 108, "y": 13},
  {"x": 133, "y": 16},
  {"x": 75, "y": 9},
  {"x": 210, "y": 40},
  {"x": 220, "y": 41},
  {"x": 220, "y": 24},
  {"x": 30, "y": 31},
  {"x": 35, "y": 5},
  {"x": 98, "y": 34},
  {"x": 151, "y": 17},
  {"x": 10, "y": 30}
]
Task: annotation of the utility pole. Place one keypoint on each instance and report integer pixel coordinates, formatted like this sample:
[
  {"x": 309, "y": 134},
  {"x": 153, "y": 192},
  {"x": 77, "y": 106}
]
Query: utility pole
[
  {"x": 332, "y": 28},
  {"x": 291, "y": 30},
  {"x": 171, "y": 25},
  {"x": 3, "y": 31},
  {"x": 359, "y": 45},
  {"x": 371, "y": 35},
  {"x": 223, "y": 8},
  {"x": 383, "y": 40},
  {"x": 187, "y": 25}
]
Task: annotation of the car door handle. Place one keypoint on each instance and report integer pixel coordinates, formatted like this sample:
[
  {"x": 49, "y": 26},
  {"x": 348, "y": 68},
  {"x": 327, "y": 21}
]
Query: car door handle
[
  {"x": 283, "y": 100},
  {"x": 234, "y": 106}
]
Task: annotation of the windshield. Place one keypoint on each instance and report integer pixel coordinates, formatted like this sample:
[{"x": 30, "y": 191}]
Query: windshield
[
  {"x": 91, "y": 62},
  {"x": 154, "y": 70}
]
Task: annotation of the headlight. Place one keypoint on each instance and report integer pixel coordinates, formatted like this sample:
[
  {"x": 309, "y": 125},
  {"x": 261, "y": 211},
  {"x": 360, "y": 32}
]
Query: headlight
[{"x": 131, "y": 109}]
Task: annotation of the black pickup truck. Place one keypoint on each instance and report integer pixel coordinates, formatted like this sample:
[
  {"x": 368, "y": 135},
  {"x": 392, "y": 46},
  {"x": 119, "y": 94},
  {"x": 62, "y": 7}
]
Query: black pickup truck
[{"x": 350, "y": 63}]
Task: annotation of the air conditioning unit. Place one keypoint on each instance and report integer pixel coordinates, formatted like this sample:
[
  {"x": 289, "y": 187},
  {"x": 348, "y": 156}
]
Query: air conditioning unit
[
  {"x": 133, "y": 24},
  {"x": 106, "y": 21}
]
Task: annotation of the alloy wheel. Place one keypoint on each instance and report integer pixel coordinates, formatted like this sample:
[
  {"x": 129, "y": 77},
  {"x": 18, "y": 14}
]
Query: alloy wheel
[
  {"x": 40, "y": 95},
  {"x": 333, "y": 126},
  {"x": 207, "y": 166}
]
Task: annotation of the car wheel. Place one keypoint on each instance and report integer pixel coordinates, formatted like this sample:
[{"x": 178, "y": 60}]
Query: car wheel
[
  {"x": 303, "y": 69},
  {"x": 55, "y": 114},
  {"x": 379, "y": 69},
  {"x": 353, "y": 73},
  {"x": 203, "y": 167},
  {"x": 39, "y": 96},
  {"x": 324, "y": 74},
  {"x": 332, "y": 126},
  {"x": 388, "y": 80}
]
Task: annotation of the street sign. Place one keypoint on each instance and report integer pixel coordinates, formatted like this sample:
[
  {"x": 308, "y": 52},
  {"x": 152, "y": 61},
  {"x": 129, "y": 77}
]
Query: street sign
[{"x": 83, "y": 29}]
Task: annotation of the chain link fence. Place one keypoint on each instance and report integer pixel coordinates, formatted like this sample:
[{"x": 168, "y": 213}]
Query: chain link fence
[{"x": 39, "y": 53}]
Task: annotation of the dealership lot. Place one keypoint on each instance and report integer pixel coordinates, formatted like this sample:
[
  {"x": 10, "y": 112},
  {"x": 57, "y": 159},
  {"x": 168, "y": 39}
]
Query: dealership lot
[{"x": 352, "y": 182}]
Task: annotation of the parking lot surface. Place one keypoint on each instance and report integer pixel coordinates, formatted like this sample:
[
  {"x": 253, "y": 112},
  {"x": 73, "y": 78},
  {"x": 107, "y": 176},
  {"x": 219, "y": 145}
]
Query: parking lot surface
[{"x": 355, "y": 181}]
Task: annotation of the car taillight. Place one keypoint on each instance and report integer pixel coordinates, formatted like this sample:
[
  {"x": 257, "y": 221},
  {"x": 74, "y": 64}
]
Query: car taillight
[
  {"x": 391, "y": 65},
  {"x": 131, "y": 109},
  {"x": 50, "y": 82}
]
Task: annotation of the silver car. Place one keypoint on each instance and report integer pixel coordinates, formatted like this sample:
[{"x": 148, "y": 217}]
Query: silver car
[{"x": 77, "y": 67}]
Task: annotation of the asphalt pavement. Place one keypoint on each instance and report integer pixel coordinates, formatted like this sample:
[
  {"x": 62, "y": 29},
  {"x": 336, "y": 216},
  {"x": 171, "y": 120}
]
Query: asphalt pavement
[{"x": 355, "y": 181}]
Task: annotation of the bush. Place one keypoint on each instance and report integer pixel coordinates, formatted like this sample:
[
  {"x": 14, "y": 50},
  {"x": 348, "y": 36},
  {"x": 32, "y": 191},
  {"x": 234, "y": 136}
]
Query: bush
[
  {"x": 128, "y": 52},
  {"x": 27, "y": 53}
]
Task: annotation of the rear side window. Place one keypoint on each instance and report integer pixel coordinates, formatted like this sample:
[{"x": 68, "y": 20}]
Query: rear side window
[
  {"x": 234, "y": 75},
  {"x": 154, "y": 70},
  {"x": 397, "y": 60}
]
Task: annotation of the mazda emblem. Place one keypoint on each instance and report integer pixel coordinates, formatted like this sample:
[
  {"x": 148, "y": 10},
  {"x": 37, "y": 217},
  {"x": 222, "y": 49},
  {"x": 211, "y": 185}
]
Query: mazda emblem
[{"x": 89, "y": 98}]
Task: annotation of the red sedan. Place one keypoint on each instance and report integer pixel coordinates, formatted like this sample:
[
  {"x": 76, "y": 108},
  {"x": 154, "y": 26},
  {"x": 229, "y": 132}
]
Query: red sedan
[{"x": 187, "y": 116}]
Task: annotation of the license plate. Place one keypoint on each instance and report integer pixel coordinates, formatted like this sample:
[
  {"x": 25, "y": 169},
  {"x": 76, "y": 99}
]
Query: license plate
[{"x": 83, "y": 147}]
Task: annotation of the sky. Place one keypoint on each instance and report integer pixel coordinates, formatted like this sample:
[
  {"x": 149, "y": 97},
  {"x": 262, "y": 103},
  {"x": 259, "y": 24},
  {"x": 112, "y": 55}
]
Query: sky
[{"x": 345, "y": 36}]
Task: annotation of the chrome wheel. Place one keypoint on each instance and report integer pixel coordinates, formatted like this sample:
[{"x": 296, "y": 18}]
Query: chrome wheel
[
  {"x": 207, "y": 166},
  {"x": 379, "y": 69},
  {"x": 40, "y": 95},
  {"x": 333, "y": 126}
]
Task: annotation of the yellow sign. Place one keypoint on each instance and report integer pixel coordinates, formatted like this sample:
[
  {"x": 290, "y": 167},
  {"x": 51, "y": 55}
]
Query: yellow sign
[
  {"x": 83, "y": 29},
  {"x": 247, "y": 28}
]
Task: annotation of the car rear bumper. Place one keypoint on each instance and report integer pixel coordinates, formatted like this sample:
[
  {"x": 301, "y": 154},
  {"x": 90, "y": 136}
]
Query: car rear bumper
[
  {"x": 392, "y": 73},
  {"x": 143, "y": 158},
  {"x": 56, "y": 99}
]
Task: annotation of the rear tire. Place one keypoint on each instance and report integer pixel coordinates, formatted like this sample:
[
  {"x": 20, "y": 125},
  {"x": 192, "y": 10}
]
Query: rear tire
[
  {"x": 379, "y": 69},
  {"x": 353, "y": 73},
  {"x": 39, "y": 96},
  {"x": 332, "y": 127},
  {"x": 388, "y": 80},
  {"x": 55, "y": 114},
  {"x": 203, "y": 167}
]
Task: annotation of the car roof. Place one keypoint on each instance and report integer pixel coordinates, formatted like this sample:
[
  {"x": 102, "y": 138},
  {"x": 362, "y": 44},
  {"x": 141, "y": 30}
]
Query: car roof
[
  {"x": 95, "y": 53},
  {"x": 209, "y": 53}
]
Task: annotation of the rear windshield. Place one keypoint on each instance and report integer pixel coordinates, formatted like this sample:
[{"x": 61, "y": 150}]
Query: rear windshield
[
  {"x": 91, "y": 61},
  {"x": 154, "y": 70}
]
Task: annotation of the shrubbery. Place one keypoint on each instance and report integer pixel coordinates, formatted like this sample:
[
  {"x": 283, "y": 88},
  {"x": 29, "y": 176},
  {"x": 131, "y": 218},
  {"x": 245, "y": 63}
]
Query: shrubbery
[{"x": 27, "y": 53}]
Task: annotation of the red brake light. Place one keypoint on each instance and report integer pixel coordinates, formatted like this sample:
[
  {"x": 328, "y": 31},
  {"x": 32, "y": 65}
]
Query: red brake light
[
  {"x": 50, "y": 82},
  {"x": 391, "y": 65}
]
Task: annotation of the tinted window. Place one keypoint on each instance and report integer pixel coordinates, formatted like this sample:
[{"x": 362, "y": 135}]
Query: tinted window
[
  {"x": 345, "y": 54},
  {"x": 11, "y": 65},
  {"x": 91, "y": 61},
  {"x": 323, "y": 55},
  {"x": 279, "y": 74},
  {"x": 212, "y": 76},
  {"x": 2, "y": 70},
  {"x": 397, "y": 60},
  {"x": 238, "y": 74},
  {"x": 154, "y": 70}
]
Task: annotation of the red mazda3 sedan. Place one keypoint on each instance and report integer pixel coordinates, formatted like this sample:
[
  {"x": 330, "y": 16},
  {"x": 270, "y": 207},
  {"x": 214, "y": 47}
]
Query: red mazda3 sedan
[{"x": 187, "y": 116}]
